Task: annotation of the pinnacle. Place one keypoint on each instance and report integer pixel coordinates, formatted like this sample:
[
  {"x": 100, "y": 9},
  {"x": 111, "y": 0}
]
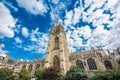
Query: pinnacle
[{"x": 58, "y": 22}]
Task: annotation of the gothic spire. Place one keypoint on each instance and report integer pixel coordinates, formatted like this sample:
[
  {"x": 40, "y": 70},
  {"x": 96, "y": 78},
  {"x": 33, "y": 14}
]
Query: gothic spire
[{"x": 57, "y": 27}]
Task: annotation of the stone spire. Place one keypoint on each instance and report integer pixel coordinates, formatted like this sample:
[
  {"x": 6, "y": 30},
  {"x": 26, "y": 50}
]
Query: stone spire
[{"x": 57, "y": 27}]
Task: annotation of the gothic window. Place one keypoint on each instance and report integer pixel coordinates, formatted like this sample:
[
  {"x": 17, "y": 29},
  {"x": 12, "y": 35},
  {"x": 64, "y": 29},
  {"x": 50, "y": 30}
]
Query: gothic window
[
  {"x": 108, "y": 64},
  {"x": 56, "y": 44},
  {"x": 24, "y": 66},
  {"x": 37, "y": 66},
  {"x": 91, "y": 64},
  {"x": 3, "y": 60},
  {"x": 79, "y": 63},
  {"x": 30, "y": 68},
  {"x": 56, "y": 61}
]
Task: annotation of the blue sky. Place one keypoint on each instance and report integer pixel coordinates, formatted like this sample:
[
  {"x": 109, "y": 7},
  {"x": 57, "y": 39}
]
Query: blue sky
[{"x": 25, "y": 25}]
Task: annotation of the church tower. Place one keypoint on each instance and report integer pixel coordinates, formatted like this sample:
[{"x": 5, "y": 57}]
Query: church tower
[{"x": 57, "y": 51}]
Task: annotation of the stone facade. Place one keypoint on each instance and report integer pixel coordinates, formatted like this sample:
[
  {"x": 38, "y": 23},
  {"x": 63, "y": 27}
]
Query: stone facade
[
  {"x": 93, "y": 60},
  {"x": 57, "y": 51},
  {"x": 57, "y": 54},
  {"x": 90, "y": 61}
]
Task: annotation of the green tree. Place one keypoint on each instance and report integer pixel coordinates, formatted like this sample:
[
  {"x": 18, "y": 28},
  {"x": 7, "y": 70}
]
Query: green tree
[
  {"x": 52, "y": 73},
  {"x": 106, "y": 75},
  {"x": 14, "y": 77},
  {"x": 75, "y": 73},
  {"x": 39, "y": 74},
  {"x": 5, "y": 74},
  {"x": 102, "y": 76},
  {"x": 24, "y": 75},
  {"x": 118, "y": 61}
]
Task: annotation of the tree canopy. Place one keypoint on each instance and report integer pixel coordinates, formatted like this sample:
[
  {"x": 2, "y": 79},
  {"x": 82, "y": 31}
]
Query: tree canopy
[
  {"x": 52, "y": 73},
  {"x": 75, "y": 73},
  {"x": 106, "y": 75},
  {"x": 5, "y": 74},
  {"x": 24, "y": 75},
  {"x": 39, "y": 74}
]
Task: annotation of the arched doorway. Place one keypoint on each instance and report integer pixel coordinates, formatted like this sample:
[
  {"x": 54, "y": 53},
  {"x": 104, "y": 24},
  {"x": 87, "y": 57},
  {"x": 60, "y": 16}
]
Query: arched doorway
[
  {"x": 30, "y": 68},
  {"x": 108, "y": 64},
  {"x": 91, "y": 64},
  {"x": 56, "y": 61},
  {"x": 79, "y": 63}
]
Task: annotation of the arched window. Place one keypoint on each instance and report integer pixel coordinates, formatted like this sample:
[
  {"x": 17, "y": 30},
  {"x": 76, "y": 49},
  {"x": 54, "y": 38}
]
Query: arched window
[
  {"x": 3, "y": 60},
  {"x": 79, "y": 63},
  {"x": 56, "y": 44},
  {"x": 37, "y": 66},
  {"x": 108, "y": 64},
  {"x": 30, "y": 68},
  {"x": 91, "y": 64},
  {"x": 24, "y": 67},
  {"x": 56, "y": 61}
]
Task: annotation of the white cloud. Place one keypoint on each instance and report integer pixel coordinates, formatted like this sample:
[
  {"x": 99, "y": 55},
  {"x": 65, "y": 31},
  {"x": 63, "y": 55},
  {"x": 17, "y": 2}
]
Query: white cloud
[
  {"x": 54, "y": 13},
  {"x": 85, "y": 31},
  {"x": 68, "y": 16},
  {"x": 74, "y": 37},
  {"x": 7, "y": 22},
  {"x": 17, "y": 29},
  {"x": 114, "y": 37},
  {"x": 18, "y": 40},
  {"x": 25, "y": 32},
  {"x": 2, "y": 46},
  {"x": 2, "y": 52},
  {"x": 10, "y": 5},
  {"x": 57, "y": 9},
  {"x": 55, "y": 1},
  {"x": 77, "y": 14},
  {"x": 34, "y": 6},
  {"x": 39, "y": 42},
  {"x": 33, "y": 35},
  {"x": 99, "y": 35}
]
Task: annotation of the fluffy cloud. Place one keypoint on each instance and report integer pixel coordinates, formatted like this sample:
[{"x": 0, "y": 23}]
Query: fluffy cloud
[
  {"x": 55, "y": 1},
  {"x": 57, "y": 9},
  {"x": 74, "y": 37},
  {"x": 10, "y": 5},
  {"x": 39, "y": 42},
  {"x": 98, "y": 38},
  {"x": 2, "y": 52},
  {"x": 77, "y": 14},
  {"x": 18, "y": 40},
  {"x": 85, "y": 31},
  {"x": 99, "y": 35},
  {"x": 25, "y": 32},
  {"x": 2, "y": 46},
  {"x": 113, "y": 37},
  {"x": 68, "y": 18},
  {"x": 7, "y": 22},
  {"x": 33, "y": 6}
]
